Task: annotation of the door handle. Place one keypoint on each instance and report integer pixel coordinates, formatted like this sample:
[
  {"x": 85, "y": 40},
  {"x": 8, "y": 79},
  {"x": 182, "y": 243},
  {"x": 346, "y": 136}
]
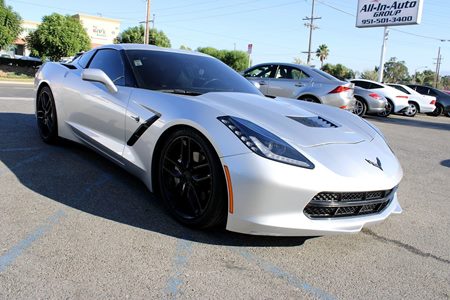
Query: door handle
[
  {"x": 262, "y": 83},
  {"x": 299, "y": 84},
  {"x": 136, "y": 118}
]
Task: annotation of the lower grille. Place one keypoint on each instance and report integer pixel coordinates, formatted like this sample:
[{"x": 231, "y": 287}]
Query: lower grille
[{"x": 333, "y": 205}]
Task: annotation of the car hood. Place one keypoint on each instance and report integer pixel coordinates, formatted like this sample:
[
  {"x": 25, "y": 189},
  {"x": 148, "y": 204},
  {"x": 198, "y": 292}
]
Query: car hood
[{"x": 301, "y": 123}]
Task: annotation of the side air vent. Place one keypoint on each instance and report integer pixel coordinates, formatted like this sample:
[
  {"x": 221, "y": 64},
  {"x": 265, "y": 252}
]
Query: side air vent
[{"x": 317, "y": 122}]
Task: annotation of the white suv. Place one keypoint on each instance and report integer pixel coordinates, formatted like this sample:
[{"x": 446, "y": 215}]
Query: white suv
[{"x": 397, "y": 101}]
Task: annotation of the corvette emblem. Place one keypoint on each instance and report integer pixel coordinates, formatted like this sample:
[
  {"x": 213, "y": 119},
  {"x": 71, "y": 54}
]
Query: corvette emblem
[{"x": 377, "y": 164}]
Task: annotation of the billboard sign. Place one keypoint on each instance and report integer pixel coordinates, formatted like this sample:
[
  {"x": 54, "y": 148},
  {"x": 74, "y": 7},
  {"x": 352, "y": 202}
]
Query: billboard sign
[{"x": 380, "y": 13}]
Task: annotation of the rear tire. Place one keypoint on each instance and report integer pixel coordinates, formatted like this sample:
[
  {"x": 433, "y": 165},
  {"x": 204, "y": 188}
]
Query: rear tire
[
  {"x": 191, "y": 180},
  {"x": 412, "y": 110},
  {"x": 46, "y": 116},
  {"x": 360, "y": 107},
  {"x": 389, "y": 109},
  {"x": 437, "y": 111}
]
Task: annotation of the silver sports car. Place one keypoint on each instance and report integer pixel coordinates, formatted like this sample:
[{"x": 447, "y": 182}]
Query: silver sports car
[{"x": 215, "y": 150}]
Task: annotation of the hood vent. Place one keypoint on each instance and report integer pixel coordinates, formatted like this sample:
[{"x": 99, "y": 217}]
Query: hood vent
[{"x": 317, "y": 122}]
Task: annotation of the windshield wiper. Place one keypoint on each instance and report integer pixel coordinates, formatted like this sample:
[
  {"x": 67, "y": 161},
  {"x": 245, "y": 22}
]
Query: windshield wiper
[{"x": 181, "y": 92}]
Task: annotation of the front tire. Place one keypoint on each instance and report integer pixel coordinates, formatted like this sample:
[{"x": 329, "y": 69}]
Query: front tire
[
  {"x": 191, "y": 180},
  {"x": 46, "y": 116},
  {"x": 412, "y": 110}
]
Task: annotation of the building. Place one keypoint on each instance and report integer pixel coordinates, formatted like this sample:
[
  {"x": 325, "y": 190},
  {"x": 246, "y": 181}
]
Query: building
[
  {"x": 20, "y": 43},
  {"x": 101, "y": 31}
]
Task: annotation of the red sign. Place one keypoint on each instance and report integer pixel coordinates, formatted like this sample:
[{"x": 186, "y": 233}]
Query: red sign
[{"x": 249, "y": 48}]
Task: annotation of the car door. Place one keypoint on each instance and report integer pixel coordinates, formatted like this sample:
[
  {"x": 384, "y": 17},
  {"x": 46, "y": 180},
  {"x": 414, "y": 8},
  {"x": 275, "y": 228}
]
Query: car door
[
  {"x": 262, "y": 75},
  {"x": 97, "y": 115},
  {"x": 288, "y": 82}
]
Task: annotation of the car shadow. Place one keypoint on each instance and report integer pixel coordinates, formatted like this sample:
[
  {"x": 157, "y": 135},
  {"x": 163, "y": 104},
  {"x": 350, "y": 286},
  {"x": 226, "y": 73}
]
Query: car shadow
[
  {"x": 79, "y": 178},
  {"x": 407, "y": 121}
]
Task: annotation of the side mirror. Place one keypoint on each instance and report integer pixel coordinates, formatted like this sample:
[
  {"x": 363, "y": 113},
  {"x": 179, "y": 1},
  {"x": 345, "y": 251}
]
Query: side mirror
[{"x": 97, "y": 75}]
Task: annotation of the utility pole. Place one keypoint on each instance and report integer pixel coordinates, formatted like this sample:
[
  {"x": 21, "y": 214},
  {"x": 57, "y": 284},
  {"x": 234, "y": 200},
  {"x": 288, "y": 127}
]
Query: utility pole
[
  {"x": 311, "y": 28},
  {"x": 383, "y": 53},
  {"x": 438, "y": 67},
  {"x": 147, "y": 25}
]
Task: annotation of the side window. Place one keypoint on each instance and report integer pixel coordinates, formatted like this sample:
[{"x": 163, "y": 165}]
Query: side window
[
  {"x": 286, "y": 72},
  {"x": 260, "y": 72},
  {"x": 85, "y": 58},
  {"x": 374, "y": 86},
  {"x": 421, "y": 90},
  {"x": 362, "y": 84},
  {"x": 431, "y": 92},
  {"x": 110, "y": 62},
  {"x": 298, "y": 74}
]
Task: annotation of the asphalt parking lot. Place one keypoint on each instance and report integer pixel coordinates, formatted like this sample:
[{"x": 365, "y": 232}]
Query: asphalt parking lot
[{"x": 73, "y": 225}]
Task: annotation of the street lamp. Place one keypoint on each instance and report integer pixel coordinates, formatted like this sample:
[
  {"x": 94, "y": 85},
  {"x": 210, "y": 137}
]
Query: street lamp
[{"x": 415, "y": 73}]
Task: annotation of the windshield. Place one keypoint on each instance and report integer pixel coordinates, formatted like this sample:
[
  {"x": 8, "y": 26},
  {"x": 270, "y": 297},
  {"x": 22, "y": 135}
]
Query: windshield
[
  {"x": 324, "y": 74},
  {"x": 185, "y": 73}
]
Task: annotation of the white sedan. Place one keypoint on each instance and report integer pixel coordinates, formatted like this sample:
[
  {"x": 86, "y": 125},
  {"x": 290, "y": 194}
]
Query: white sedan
[
  {"x": 215, "y": 150},
  {"x": 418, "y": 103}
]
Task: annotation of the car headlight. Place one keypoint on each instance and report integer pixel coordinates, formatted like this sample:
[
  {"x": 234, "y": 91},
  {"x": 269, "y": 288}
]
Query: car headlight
[{"x": 265, "y": 143}]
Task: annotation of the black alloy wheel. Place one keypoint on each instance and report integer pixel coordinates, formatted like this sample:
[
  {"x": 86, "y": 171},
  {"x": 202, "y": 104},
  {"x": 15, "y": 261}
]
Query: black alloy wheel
[
  {"x": 191, "y": 180},
  {"x": 46, "y": 116},
  {"x": 437, "y": 111}
]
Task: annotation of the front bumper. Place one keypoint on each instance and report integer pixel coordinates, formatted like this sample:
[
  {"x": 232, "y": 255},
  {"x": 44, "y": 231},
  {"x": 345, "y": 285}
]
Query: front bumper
[{"x": 270, "y": 197}]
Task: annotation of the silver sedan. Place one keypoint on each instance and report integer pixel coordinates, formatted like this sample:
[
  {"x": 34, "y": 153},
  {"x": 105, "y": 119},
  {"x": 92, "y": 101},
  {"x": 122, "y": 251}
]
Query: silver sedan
[
  {"x": 368, "y": 102},
  {"x": 301, "y": 82}
]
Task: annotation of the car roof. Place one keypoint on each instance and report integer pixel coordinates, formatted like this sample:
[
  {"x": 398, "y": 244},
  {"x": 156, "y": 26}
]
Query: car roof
[{"x": 149, "y": 48}]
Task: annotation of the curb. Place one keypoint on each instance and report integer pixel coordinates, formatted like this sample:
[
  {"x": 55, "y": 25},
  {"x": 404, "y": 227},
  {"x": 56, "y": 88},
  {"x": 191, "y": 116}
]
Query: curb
[{"x": 16, "y": 82}]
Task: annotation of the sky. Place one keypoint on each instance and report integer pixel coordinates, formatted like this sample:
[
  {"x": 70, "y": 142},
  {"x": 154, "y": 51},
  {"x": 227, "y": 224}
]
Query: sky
[{"x": 274, "y": 27}]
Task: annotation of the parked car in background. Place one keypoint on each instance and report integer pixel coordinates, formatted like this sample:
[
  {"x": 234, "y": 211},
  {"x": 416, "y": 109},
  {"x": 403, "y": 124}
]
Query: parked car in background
[
  {"x": 417, "y": 103},
  {"x": 442, "y": 99},
  {"x": 301, "y": 82},
  {"x": 368, "y": 101},
  {"x": 397, "y": 102}
]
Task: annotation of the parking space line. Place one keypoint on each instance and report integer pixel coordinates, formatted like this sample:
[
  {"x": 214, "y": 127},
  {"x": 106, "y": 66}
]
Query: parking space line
[
  {"x": 183, "y": 252},
  {"x": 10, "y": 256},
  {"x": 282, "y": 274},
  {"x": 25, "y": 162}
]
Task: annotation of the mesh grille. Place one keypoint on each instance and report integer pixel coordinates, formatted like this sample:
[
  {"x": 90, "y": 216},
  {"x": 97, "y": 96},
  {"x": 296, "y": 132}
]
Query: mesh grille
[{"x": 331, "y": 205}]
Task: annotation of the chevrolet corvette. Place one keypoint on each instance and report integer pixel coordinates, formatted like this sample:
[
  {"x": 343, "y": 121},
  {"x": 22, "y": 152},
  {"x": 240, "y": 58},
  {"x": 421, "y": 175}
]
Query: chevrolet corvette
[{"x": 214, "y": 149}]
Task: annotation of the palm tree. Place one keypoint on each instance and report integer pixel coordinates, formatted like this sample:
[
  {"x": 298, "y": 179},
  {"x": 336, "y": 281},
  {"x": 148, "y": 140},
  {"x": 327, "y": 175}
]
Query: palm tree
[{"x": 322, "y": 53}]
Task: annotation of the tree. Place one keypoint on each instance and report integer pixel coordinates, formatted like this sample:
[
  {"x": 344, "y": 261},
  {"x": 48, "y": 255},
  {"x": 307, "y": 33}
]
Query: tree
[
  {"x": 236, "y": 59},
  {"x": 58, "y": 36},
  {"x": 395, "y": 71},
  {"x": 183, "y": 47},
  {"x": 322, "y": 53},
  {"x": 340, "y": 71},
  {"x": 297, "y": 60},
  {"x": 370, "y": 75},
  {"x": 10, "y": 25},
  {"x": 135, "y": 35}
]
